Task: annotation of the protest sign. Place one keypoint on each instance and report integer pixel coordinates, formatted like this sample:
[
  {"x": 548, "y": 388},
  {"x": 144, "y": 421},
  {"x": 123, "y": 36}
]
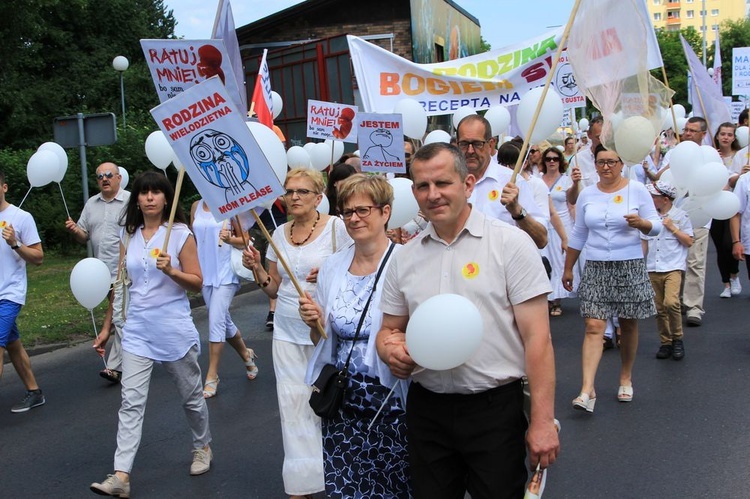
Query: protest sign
[
  {"x": 328, "y": 120},
  {"x": 741, "y": 71},
  {"x": 177, "y": 65},
  {"x": 222, "y": 158},
  {"x": 566, "y": 85},
  {"x": 381, "y": 142}
]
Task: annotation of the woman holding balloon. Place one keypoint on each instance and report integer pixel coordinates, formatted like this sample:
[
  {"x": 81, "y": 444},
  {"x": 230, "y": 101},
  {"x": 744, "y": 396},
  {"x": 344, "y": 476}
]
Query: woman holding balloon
[
  {"x": 349, "y": 281},
  {"x": 304, "y": 243},
  {"x": 610, "y": 216},
  {"x": 159, "y": 327}
]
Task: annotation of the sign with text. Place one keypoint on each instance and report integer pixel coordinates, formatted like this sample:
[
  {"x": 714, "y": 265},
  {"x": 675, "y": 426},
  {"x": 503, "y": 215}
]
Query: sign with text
[
  {"x": 177, "y": 65},
  {"x": 209, "y": 136},
  {"x": 381, "y": 142},
  {"x": 328, "y": 120},
  {"x": 741, "y": 71}
]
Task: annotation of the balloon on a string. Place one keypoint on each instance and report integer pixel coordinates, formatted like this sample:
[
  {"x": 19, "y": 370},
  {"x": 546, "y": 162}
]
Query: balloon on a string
[
  {"x": 278, "y": 104},
  {"x": 634, "y": 138},
  {"x": 271, "y": 146},
  {"x": 679, "y": 111},
  {"x": 683, "y": 159},
  {"x": 742, "y": 135},
  {"x": 583, "y": 124},
  {"x": 158, "y": 150},
  {"x": 177, "y": 163},
  {"x": 499, "y": 119},
  {"x": 461, "y": 113},
  {"x": 414, "y": 117},
  {"x": 681, "y": 123},
  {"x": 710, "y": 155},
  {"x": 437, "y": 136},
  {"x": 320, "y": 156},
  {"x": 550, "y": 114},
  {"x": 324, "y": 206},
  {"x": 90, "y": 282},
  {"x": 125, "y": 177},
  {"x": 722, "y": 206},
  {"x": 698, "y": 217},
  {"x": 42, "y": 168},
  {"x": 708, "y": 179},
  {"x": 297, "y": 157},
  {"x": 444, "y": 331},
  {"x": 404, "y": 207},
  {"x": 62, "y": 157},
  {"x": 338, "y": 149}
]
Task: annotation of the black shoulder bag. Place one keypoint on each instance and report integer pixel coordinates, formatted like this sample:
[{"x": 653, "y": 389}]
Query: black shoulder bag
[{"x": 330, "y": 387}]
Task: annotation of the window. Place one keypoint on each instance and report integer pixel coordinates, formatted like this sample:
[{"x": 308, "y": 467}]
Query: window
[
  {"x": 690, "y": 14},
  {"x": 714, "y": 12},
  {"x": 657, "y": 16},
  {"x": 688, "y": 1},
  {"x": 657, "y": 2}
]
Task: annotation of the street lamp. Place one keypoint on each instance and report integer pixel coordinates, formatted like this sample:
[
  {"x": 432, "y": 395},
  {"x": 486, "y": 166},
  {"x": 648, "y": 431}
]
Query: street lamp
[{"x": 120, "y": 63}]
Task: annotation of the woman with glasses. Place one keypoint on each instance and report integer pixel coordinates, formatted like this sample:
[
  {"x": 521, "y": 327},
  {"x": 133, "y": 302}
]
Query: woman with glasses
[
  {"x": 553, "y": 170},
  {"x": 345, "y": 283},
  {"x": 610, "y": 217},
  {"x": 304, "y": 243}
]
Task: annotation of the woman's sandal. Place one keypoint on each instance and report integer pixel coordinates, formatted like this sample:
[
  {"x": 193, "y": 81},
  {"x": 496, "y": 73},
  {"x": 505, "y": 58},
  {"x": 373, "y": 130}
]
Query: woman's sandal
[
  {"x": 625, "y": 393},
  {"x": 555, "y": 311},
  {"x": 210, "y": 388},
  {"x": 584, "y": 402},
  {"x": 252, "y": 369}
]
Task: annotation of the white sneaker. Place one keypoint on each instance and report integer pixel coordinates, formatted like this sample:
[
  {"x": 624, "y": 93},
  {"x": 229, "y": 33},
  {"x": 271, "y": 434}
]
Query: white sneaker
[
  {"x": 735, "y": 286},
  {"x": 727, "y": 293}
]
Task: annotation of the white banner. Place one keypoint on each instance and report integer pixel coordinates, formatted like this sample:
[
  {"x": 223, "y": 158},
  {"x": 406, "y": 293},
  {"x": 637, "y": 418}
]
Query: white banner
[
  {"x": 381, "y": 142},
  {"x": 741, "y": 71},
  {"x": 177, "y": 65},
  {"x": 328, "y": 120},
  {"x": 209, "y": 136},
  {"x": 498, "y": 77}
]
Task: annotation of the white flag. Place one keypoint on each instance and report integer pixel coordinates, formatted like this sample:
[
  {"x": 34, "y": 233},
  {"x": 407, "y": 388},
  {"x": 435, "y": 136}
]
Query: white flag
[{"x": 224, "y": 30}]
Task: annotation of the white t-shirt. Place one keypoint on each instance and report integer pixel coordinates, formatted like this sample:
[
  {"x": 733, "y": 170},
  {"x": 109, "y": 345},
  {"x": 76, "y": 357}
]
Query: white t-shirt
[
  {"x": 12, "y": 266},
  {"x": 665, "y": 251},
  {"x": 488, "y": 192},
  {"x": 215, "y": 260}
]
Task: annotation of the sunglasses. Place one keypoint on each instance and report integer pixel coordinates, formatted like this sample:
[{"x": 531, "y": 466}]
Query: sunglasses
[
  {"x": 102, "y": 176},
  {"x": 533, "y": 151},
  {"x": 552, "y": 159}
]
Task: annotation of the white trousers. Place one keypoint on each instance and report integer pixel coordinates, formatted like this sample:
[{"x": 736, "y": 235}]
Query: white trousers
[
  {"x": 218, "y": 301},
  {"x": 136, "y": 377}
]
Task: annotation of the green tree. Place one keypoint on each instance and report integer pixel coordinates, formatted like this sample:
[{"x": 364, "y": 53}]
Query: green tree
[
  {"x": 734, "y": 33},
  {"x": 484, "y": 45},
  {"x": 675, "y": 62}
]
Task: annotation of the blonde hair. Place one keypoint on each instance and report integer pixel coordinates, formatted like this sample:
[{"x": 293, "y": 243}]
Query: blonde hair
[
  {"x": 374, "y": 186},
  {"x": 313, "y": 176}
]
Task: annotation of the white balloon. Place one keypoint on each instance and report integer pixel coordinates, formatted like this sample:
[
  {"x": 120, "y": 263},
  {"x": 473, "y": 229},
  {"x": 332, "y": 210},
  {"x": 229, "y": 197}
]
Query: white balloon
[
  {"x": 405, "y": 206},
  {"x": 583, "y": 124},
  {"x": 414, "y": 117},
  {"x": 437, "y": 136},
  {"x": 499, "y": 119},
  {"x": 461, "y": 113},
  {"x": 698, "y": 217},
  {"x": 683, "y": 159},
  {"x": 722, "y": 206},
  {"x": 742, "y": 135},
  {"x": 444, "y": 332},
  {"x": 308, "y": 147},
  {"x": 634, "y": 138},
  {"x": 320, "y": 156},
  {"x": 667, "y": 177},
  {"x": 710, "y": 155},
  {"x": 177, "y": 163},
  {"x": 125, "y": 177},
  {"x": 324, "y": 206},
  {"x": 338, "y": 149},
  {"x": 679, "y": 111},
  {"x": 550, "y": 114},
  {"x": 61, "y": 155},
  {"x": 158, "y": 150},
  {"x": 90, "y": 281},
  {"x": 278, "y": 104},
  {"x": 271, "y": 146},
  {"x": 297, "y": 157},
  {"x": 356, "y": 153},
  {"x": 681, "y": 122},
  {"x": 42, "y": 168},
  {"x": 616, "y": 119},
  {"x": 708, "y": 179}
]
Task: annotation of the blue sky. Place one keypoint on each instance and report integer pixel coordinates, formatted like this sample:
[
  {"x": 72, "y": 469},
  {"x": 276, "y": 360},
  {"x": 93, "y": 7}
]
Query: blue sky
[{"x": 503, "y": 22}]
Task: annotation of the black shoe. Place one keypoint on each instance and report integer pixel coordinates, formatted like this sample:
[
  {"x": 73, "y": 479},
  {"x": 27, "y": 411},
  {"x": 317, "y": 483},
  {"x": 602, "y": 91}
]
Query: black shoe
[
  {"x": 33, "y": 398},
  {"x": 608, "y": 344},
  {"x": 694, "y": 320},
  {"x": 678, "y": 350},
  {"x": 665, "y": 352},
  {"x": 269, "y": 320}
]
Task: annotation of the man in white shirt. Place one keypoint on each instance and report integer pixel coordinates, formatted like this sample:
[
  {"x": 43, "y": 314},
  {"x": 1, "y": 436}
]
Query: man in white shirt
[
  {"x": 583, "y": 171},
  {"x": 494, "y": 194},
  {"x": 100, "y": 223},
  {"x": 21, "y": 245}
]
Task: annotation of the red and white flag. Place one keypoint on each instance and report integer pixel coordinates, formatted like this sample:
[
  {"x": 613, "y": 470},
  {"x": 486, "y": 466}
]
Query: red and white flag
[
  {"x": 224, "y": 30},
  {"x": 262, "y": 102}
]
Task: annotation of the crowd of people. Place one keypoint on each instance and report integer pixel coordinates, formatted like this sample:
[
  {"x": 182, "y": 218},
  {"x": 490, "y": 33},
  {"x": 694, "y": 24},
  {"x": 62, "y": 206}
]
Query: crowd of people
[{"x": 577, "y": 222}]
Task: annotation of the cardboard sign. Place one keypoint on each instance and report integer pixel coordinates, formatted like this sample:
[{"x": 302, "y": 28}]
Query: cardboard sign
[
  {"x": 177, "y": 65},
  {"x": 381, "y": 142},
  {"x": 222, "y": 158},
  {"x": 741, "y": 71},
  {"x": 328, "y": 120}
]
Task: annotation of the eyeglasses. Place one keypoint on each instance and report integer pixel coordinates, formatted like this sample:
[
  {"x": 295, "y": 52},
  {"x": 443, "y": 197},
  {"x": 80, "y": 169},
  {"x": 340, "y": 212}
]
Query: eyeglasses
[
  {"x": 552, "y": 159},
  {"x": 478, "y": 145},
  {"x": 102, "y": 176},
  {"x": 299, "y": 192},
  {"x": 611, "y": 163},
  {"x": 407, "y": 155},
  {"x": 533, "y": 151},
  {"x": 361, "y": 211}
]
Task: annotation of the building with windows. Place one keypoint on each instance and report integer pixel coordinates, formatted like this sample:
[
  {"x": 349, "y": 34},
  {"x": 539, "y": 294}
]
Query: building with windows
[{"x": 674, "y": 15}]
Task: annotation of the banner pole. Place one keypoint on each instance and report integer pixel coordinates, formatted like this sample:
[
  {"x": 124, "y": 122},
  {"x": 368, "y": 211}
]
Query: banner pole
[
  {"x": 245, "y": 243},
  {"x": 177, "y": 189},
  {"x": 671, "y": 104}
]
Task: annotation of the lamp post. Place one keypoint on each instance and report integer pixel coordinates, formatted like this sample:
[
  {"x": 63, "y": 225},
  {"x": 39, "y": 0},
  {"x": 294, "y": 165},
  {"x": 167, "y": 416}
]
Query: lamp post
[{"x": 120, "y": 63}]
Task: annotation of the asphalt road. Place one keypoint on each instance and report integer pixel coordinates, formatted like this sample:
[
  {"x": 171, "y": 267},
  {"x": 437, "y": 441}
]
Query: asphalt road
[{"x": 684, "y": 436}]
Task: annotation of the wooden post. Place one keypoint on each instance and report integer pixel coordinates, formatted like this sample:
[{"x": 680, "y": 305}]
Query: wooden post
[{"x": 175, "y": 200}]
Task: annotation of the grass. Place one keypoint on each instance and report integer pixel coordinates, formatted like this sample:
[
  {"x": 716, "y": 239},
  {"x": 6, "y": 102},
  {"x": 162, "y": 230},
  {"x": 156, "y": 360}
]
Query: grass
[{"x": 51, "y": 313}]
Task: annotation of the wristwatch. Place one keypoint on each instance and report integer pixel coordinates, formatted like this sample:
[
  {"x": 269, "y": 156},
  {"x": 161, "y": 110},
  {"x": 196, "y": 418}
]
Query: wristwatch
[
  {"x": 18, "y": 245},
  {"x": 520, "y": 216}
]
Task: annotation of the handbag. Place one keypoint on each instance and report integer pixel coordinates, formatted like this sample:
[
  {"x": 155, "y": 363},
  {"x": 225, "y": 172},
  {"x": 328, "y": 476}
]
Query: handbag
[{"x": 330, "y": 387}]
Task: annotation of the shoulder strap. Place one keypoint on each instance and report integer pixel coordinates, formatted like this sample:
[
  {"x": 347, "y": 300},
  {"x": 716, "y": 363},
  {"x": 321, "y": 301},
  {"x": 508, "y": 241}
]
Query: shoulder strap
[{"x": 333, "y": 234}]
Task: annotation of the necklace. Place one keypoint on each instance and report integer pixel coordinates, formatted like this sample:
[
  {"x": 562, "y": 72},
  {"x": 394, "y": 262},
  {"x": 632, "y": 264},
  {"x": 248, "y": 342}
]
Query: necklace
[{"x": 291, "y": 232}]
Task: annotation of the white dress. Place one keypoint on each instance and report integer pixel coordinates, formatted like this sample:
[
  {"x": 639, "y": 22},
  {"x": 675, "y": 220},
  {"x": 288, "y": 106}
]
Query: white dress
[{"x": 553, "y": 250}]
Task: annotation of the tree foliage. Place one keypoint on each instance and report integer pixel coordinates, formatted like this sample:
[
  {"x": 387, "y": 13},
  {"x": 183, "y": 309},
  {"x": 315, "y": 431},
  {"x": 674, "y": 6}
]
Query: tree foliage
[
  {"x": 675, "y": 62},
  {"x": 732, "y": 34}
]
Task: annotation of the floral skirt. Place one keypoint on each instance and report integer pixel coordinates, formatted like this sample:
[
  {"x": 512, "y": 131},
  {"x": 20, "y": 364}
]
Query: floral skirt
[{"x": 616, "y": 289}]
